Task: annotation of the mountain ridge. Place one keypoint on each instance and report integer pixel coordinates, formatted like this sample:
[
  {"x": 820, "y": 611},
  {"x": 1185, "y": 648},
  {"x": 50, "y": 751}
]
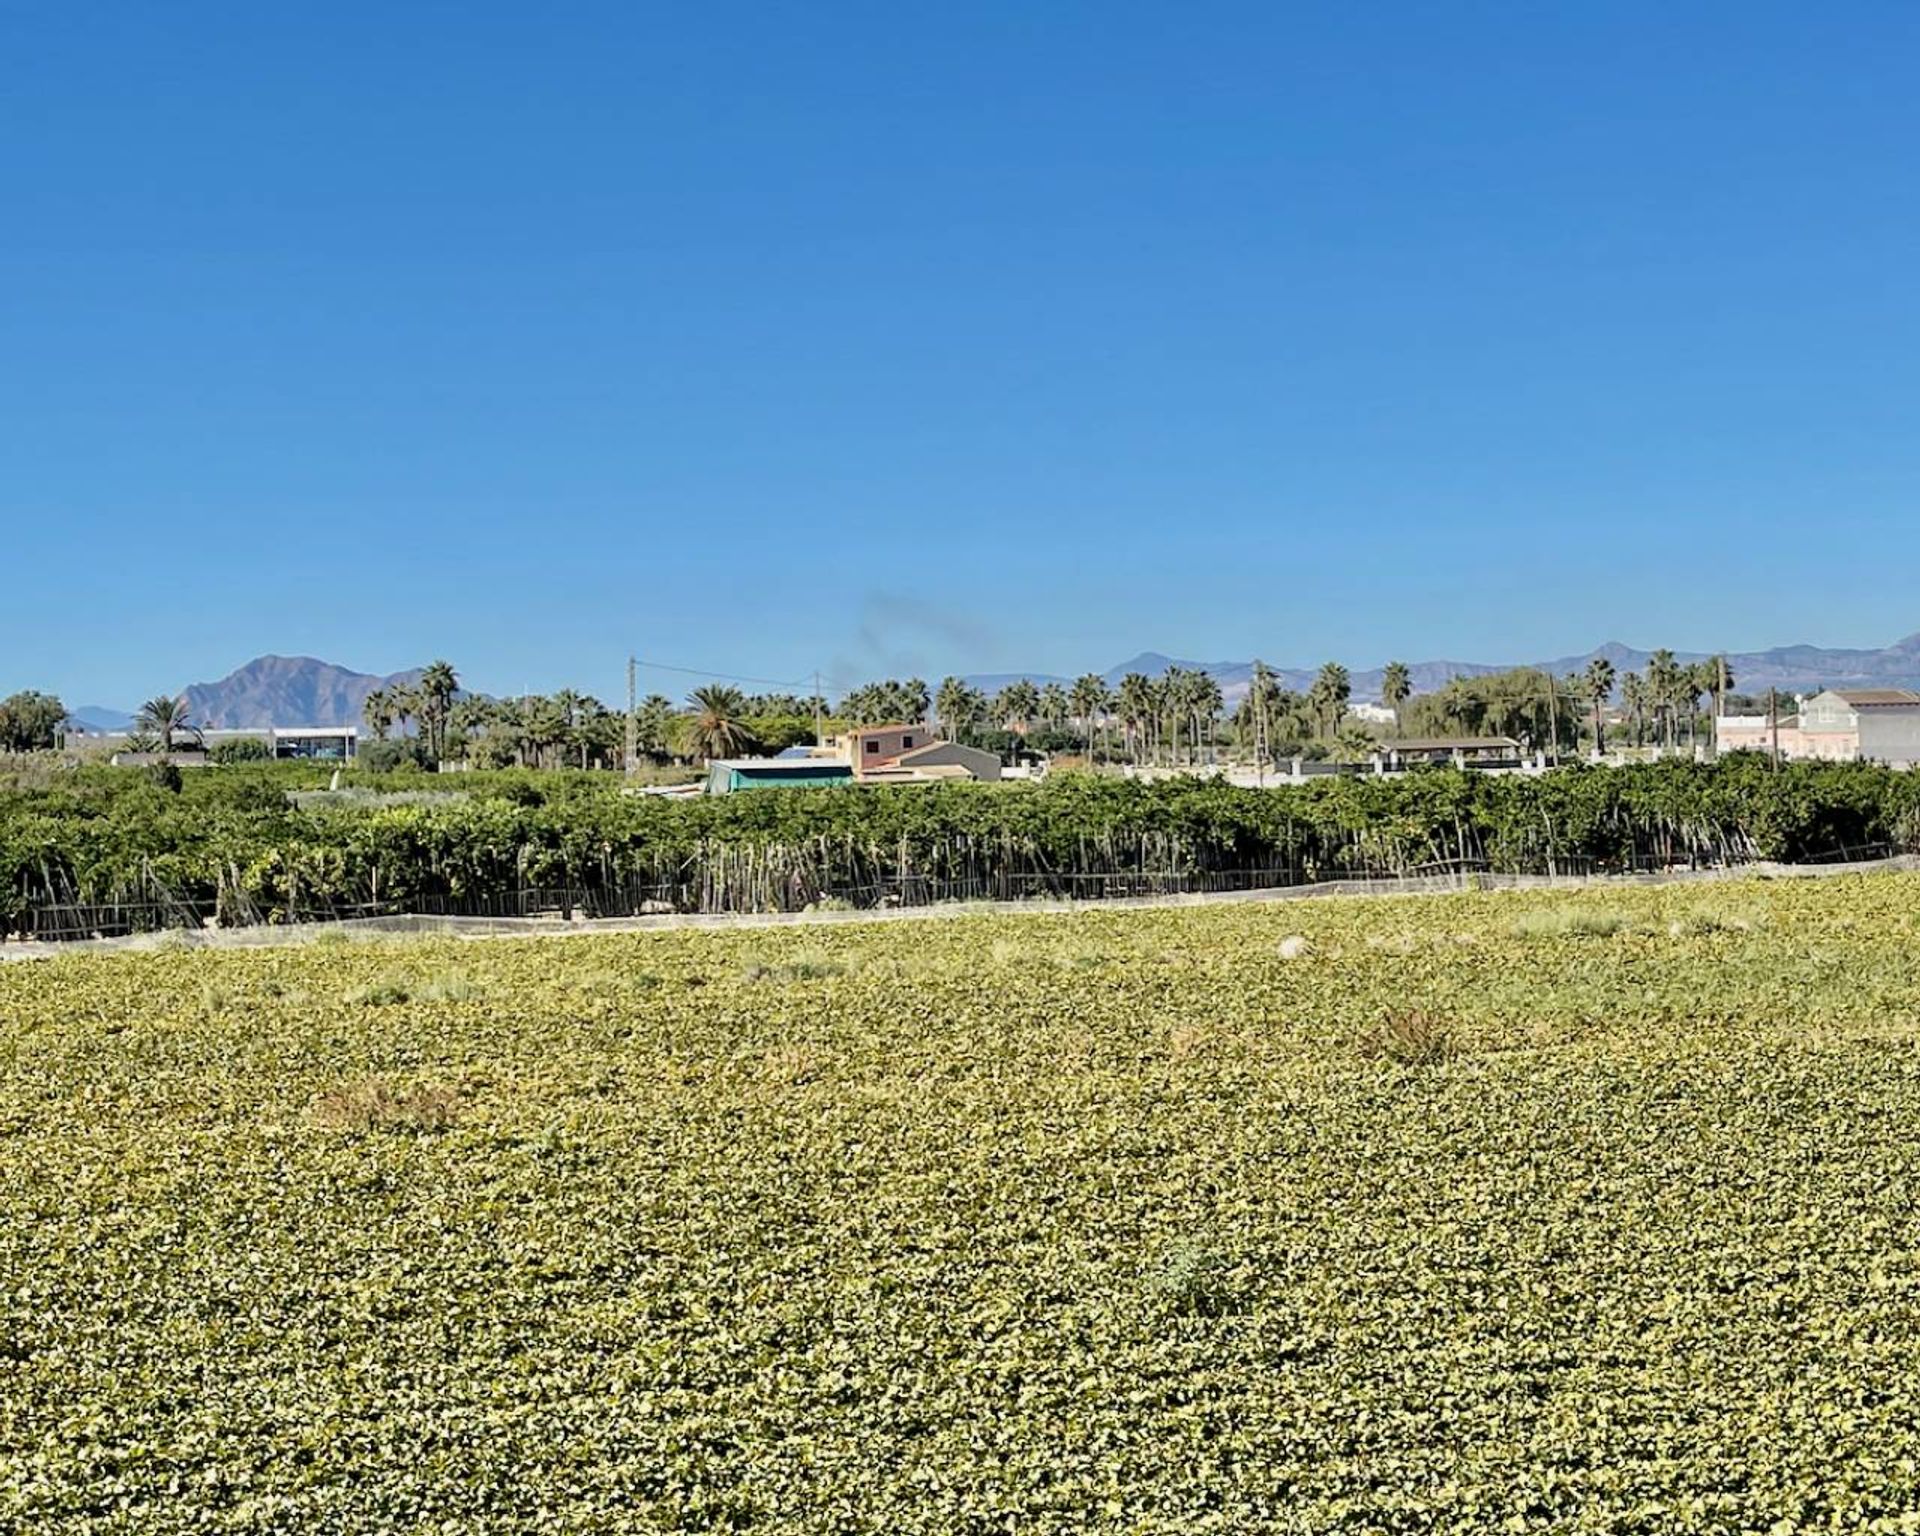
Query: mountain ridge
[
  {"x": 305, "y": 690},
  {"x": 287, "y": 691}
]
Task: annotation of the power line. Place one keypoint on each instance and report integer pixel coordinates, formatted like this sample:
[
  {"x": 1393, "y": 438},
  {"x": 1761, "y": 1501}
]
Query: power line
[{"x": 726, "y": 677}]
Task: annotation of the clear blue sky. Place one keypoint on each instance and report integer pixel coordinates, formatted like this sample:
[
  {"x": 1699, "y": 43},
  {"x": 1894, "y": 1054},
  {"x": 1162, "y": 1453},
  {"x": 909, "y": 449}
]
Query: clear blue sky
[{"x": 875, "y": 337}]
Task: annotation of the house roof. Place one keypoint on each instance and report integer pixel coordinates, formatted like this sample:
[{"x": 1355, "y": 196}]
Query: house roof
[
  {"x": 779, "y": 765},
  {"x": 1879, "y": 698},
  {"x": 953, "y": 748}
]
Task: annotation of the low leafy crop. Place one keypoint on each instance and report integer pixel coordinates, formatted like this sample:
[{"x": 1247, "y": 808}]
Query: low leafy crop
[{"x": 1099, "y": 1221}]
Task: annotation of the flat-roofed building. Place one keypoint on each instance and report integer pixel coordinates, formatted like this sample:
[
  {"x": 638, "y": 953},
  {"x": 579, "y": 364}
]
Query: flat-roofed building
[{"x": 322, "y": 743}]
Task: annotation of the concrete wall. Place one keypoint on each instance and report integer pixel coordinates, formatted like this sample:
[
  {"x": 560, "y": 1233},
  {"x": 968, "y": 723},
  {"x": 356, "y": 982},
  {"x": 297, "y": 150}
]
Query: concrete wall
[{"x": 1890, "y": 735}]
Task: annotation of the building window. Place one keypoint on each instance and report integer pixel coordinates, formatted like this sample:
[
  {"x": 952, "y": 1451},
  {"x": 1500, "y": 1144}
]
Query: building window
[
  {"x": 906, "y": 741},
  {"x": 873, "y": 746}
]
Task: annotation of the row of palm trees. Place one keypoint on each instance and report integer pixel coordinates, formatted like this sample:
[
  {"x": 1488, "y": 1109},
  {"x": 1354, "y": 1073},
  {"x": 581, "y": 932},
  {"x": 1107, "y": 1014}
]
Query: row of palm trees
[
  {"x": 1172, "y": 719},
  {"x": 1532, "y": 704},
  {"x": 1668, "y": 694},
  {"x": 429, "y": 701}
]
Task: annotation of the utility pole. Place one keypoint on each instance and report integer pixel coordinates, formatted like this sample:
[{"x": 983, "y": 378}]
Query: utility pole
[
  {"x": 633, "y": 719},
  {"x": 1773, "y": 725},
  {"x": 1719, "y": 700},
  {"x": 819, "y": 734}
]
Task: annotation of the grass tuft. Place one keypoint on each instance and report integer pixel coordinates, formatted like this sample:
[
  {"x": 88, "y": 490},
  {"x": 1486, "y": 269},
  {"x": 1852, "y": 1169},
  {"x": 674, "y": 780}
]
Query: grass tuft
[
  {"x": 1412, "y": 1037},
  {"x": 809, "y": 965},
  {"x": 375, "y": 1105},
  {"x": 1570, "y": 923}
]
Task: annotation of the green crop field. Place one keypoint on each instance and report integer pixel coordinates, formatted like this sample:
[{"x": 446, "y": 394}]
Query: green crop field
[{"x": 1465, "y": 1214}]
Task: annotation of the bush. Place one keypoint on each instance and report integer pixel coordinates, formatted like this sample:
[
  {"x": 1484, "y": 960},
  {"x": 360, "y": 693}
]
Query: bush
[
  {"x": 393, "y": 756},
  {"x": 243, "y": 749}
]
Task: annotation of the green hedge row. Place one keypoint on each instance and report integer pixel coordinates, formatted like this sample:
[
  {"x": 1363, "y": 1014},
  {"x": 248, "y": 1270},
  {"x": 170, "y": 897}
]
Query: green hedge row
[{"x": 230, "y": 836}]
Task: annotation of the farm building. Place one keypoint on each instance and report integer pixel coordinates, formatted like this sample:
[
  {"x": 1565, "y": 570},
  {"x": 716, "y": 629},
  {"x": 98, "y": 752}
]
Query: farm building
[
  {"x": 726, "y": 776},
  {"x": 909, "y": 754}
]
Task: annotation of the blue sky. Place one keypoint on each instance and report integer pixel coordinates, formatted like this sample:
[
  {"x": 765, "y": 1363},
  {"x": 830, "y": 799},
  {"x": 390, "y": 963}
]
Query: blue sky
[{"x": 883, "y": 337}]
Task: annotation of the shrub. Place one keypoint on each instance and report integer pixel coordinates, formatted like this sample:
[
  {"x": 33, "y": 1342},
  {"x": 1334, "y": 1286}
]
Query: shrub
[
  {"x": 243, "y": 749},
  {"x": 1194, "y": 1280}
]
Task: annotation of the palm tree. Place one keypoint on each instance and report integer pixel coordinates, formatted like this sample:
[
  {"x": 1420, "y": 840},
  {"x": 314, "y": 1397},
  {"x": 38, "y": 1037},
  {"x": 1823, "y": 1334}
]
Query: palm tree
[
  {"x": 1329, "y": 695},
  {"x": 1396, "y": 686},
  {"x": 1663, "y": 688},
  {"x": 716, "y": 729},
  {"x": 1599, "y": 686},
  {"x": 1257, "y": 711},
  {"x": 1719, "y": 685},
  {"x": 950, "y": 703},
  {"x": 1136, "y": 703},
  {"x": 1088, "y": 701},
  {"x": 377, "y": 710},
  {"x": 654, "y": 725},
  {"x": 1205, "y": 701},
  {"x": 1633, "y": 694},
  {"x": 1169, "y": 695},
  {"x": 165, "y": 718},
  {"x": 1018, "y": 702},
  {"x": 406, "y": 705},
  {"x": 1053, "y": 706},
  {"x": 438, "y": 684}
]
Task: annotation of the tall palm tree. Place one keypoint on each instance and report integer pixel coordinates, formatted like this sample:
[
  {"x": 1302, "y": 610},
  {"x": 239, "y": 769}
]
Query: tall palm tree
[
  {"x": 1663, "y": 689},
  {"x": 717, "y": 730},
  {"x": 1689, "y": 684},
  {"x": 1330, "y": 692},
  {"x": 1396, "y": 686},
  {"x": 1136, "y": 703},
  {"x": 377, "y": 710},
  {"x": 1599, "y": 686},
  {"x": 406, "y": 707},
  {"x": 1633, "y": 694},
  {"x": 1258, "y": 711},
  {"x": 165, "y": 718},
  {"x": 436, "y": 688},
  {"x": 1017, "y": 704},
  {"x": 950, "y": 703},
  {"x": 1719, "y": 684},
  {"x": 1053, "y": 706},
  {"x": 1205, "y": 701},
  {"x": 1088, "y": 701}
]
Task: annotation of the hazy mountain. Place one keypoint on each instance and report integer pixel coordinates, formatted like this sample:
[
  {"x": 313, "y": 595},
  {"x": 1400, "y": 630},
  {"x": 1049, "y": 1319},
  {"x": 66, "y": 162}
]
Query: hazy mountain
[
  {"x": 98, "y": 717},
  {"x": 287, "y": 690},
  {"x": 1790, "y": 668}
]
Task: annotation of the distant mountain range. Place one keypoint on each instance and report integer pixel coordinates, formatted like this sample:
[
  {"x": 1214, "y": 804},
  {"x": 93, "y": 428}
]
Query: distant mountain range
[
  {"x": 1790, "y": 668},
  {"x": 300, "y": 690}
]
